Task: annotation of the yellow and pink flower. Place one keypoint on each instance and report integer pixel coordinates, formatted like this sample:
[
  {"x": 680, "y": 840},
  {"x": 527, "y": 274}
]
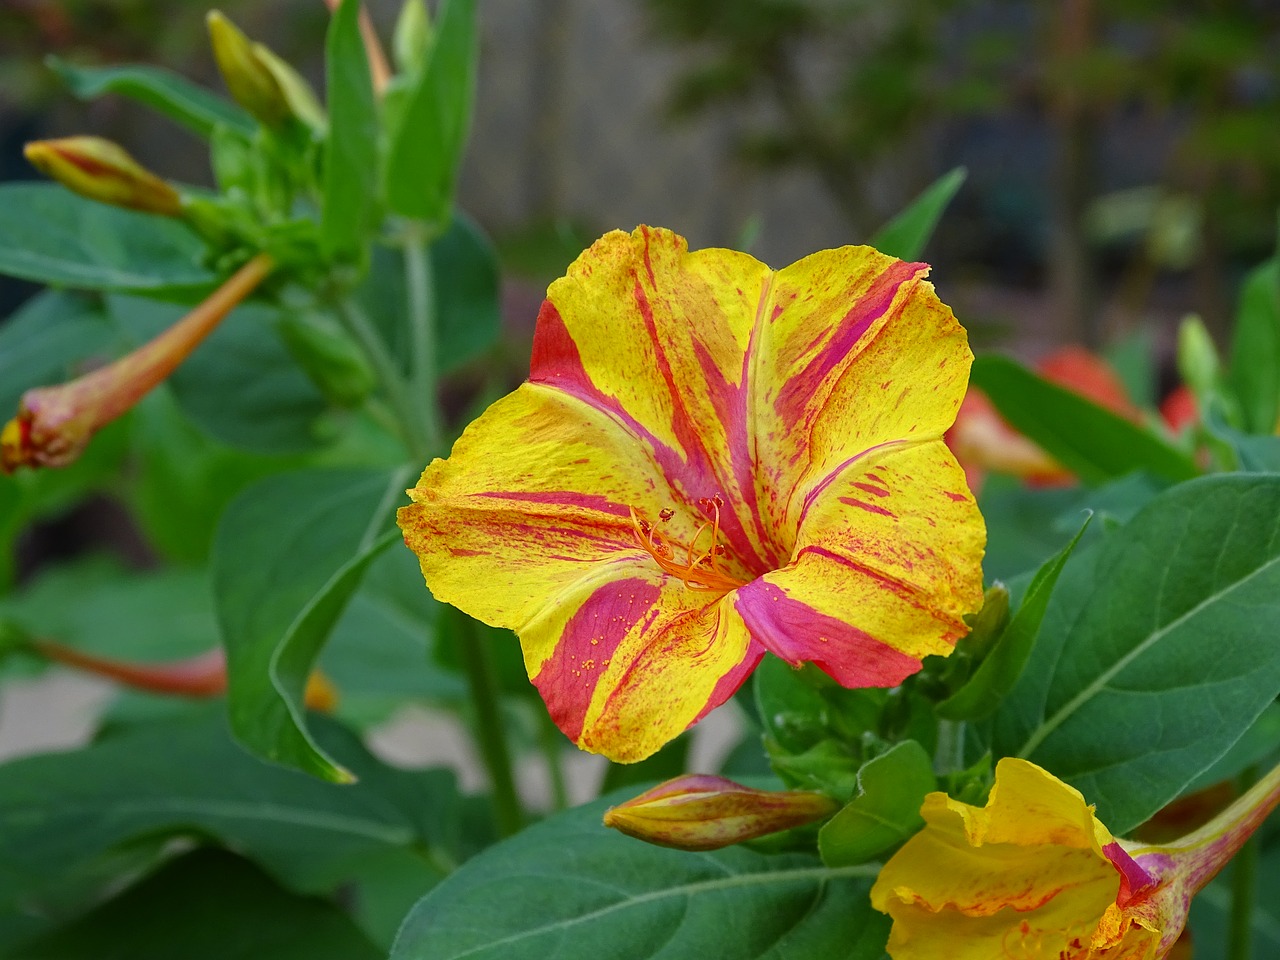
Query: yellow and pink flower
[
  {"x": 1035, "y": 874},
  {"x": 712, "y": 460}
]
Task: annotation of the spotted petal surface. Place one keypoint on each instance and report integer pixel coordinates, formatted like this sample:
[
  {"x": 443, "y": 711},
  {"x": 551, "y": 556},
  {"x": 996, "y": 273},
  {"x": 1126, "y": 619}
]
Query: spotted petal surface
[{"x": 712, "y": 459}]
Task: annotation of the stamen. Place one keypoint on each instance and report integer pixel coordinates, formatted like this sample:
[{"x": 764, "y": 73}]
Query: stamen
[{"x": 699, "y": 571}]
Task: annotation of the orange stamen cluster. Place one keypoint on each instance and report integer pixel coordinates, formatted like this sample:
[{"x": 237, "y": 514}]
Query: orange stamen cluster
[{"x": 699, "y": 571}]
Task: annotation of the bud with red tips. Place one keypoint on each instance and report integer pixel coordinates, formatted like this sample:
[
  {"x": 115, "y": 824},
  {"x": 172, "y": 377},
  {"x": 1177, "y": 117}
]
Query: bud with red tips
[
  {"x": 103, "y": 171},
  {"x": 703, "y": 812}
]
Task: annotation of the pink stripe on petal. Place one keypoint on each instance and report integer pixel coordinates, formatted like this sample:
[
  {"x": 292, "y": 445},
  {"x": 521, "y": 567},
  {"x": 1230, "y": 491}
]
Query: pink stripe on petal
[
  {"x": 567, "y": 681},
  {"x": 798, "y": 633}
]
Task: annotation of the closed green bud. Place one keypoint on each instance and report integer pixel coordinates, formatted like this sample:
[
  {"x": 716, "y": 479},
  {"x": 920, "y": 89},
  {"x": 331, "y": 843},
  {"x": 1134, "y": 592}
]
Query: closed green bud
[
  {"x": 412, "y": 38},
  {"x": 103, "y": 171},
  {"x": 328, "y": 356},
  {"x": 260, "y": 81},
  {"x": 1197, "y": 357},
  {"x": 703, "y": 812}
]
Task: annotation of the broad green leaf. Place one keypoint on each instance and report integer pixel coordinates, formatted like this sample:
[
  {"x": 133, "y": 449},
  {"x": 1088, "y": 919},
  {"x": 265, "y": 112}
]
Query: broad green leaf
[
  {"x": 1093, "y": 443},
  {"x": 1000, "y": 670},
  {"x": 1254, "y": 370},
  {"x": 669, "y": 762},
  {"x": 123, "y": 799},
  {"x": 351, "y": 152},
  {"x": 1158, "y": 649},
  {"x": 206, "y": 905},
  {"x": 886, "y": 810},
  {"x": 427, "y": 143},
  {"x": 185, "y": 478},
  {"x": 793, "y": 712},
  {"x": 196, "y": 108},
  {"x": 907, "y": 234},
  {"x": 567, "y": 887},
  {"x": 1261, "y": 742},
  {"x": 288, "y": 556},
  {"x": 50, "y": 235},
  {"x": 240, "y": 385}
]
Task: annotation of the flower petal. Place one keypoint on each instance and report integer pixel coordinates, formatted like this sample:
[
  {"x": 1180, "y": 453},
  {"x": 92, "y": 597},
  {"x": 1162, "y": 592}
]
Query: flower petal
[
  {"x": 658, "y": 337},
  {"x": 537, "y": 492},
  {"x": 628, "y": 660},
  {"x": 887, "y": 561},
  {"x": 856, "y": 355}
]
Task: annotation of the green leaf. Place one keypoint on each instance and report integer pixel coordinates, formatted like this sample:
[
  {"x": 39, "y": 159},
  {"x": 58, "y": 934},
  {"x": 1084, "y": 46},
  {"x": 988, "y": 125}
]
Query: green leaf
[
  {"x": 1158, "y": 649},
  {"x": 1092, "y": 442},
  {"x": 196, "y": 108},
  {"x": 50, "y": 235},
  {"x": 669, "y": 762},
  {"x": 288, "y": 556},
  {"x": 1254, "y": 370},
  {"x": 187, "y": 778},
  {"x": 206, "y": 905},
  {"x": 240, "y": 385},
  {"x": 568, "y": 887},
  {"x": 351, "y": 152},
  {"x": 1002, "y": 667},
  {"x": 907, "y": 234},
  {"x": 427, "y": 144},
  {"x": 469, "y": 317},
  {"x": 1258, "y": 744},
  {"x": 886, "y": 810}
]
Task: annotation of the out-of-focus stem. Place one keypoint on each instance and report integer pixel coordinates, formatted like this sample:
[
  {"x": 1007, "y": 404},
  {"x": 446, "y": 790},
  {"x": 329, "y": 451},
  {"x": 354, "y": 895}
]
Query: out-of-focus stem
[
  {"x": 423, "y": 335},
  {"x": 379, "y": 69}
]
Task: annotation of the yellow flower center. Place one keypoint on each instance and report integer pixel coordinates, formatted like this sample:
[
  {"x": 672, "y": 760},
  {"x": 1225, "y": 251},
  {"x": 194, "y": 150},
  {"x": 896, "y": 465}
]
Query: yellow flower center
[{"x": 698, "y": 571}]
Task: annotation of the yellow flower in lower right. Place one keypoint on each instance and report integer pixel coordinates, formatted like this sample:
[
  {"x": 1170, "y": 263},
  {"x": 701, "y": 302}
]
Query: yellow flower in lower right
[{"x": 1034, "y": 874}]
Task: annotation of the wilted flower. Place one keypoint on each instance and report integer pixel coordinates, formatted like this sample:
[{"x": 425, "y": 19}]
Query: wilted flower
[
  {"x": 54, "y": 424},
  {"x": 712, "y": 459},
  {"x": 103, "y": 171},
  {"x": 702, "y": 812},
  {"x": 1035, "y": 874}
]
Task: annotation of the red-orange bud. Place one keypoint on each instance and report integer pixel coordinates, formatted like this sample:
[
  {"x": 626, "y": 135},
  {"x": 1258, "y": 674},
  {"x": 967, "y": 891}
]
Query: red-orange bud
[
  {"x": 703, "y": 812},
  {"x": 103, "y": 171}
]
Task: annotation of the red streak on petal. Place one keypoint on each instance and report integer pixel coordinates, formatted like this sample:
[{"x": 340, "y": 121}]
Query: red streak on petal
[
  {"x": 561, "y": 498},
  {"x": 567, "y": 680},
  {"x": 869, "y": 507},
  {"x": 875, "y": 491},
  {"x": 797, "y": 633}
]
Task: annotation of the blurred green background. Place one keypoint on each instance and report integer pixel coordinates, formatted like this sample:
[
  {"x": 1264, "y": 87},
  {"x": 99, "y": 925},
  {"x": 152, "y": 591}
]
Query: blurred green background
[{"x": 1123, "y": 157}]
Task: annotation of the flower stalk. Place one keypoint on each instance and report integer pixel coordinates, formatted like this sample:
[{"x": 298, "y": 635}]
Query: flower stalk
[{"x": 54, "y": 424}]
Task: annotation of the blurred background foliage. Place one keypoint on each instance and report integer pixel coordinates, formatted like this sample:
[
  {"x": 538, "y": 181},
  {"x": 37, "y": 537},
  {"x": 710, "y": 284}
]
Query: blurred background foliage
[{"x": 1123, "y": 157}]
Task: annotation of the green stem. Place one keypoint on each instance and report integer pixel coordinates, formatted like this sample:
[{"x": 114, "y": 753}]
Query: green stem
[
  {"x": 420, "y": 281},
  {"x": 551, "y": 741},
  {"x": 384, "y": 365},
  {"x": 1244, "y": 889},
  {"x": 482, "y": 680}
]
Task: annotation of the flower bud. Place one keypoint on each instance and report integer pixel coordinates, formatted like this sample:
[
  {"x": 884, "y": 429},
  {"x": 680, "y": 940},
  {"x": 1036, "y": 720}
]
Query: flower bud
[
  {"x": 54, "y": 424},
  {"x": 703, "y": 812},
  {"x": 103, "y": 171},
  {"x": 250, "y": 81}
]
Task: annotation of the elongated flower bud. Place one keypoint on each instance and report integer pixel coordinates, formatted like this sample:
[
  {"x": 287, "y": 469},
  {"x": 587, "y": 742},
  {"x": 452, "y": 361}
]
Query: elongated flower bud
[
  {"x": 249, "y": 80},
  {"x": 103, "y": 171},
  {"x": 204, "y": 675},
  {"x": 702, "y": 812},
  {"x": 54, "y": 424}
]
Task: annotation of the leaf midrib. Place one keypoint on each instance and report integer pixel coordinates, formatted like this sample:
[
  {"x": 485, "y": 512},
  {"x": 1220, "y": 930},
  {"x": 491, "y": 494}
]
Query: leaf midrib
[
  {"x": 1049, "y": 724},
  {"x": 820, "y": 874}
]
